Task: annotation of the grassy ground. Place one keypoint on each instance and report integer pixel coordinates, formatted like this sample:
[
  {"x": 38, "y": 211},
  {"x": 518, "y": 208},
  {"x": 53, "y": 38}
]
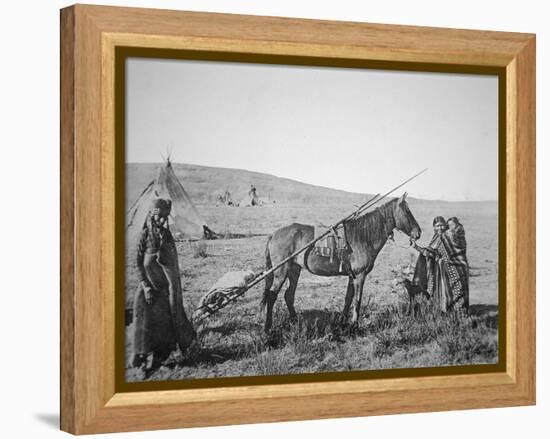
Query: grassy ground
[{"x": 232, "y": 343}]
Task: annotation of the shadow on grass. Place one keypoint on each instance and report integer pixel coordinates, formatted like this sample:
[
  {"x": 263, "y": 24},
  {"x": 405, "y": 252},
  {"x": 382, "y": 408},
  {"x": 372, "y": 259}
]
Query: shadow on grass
[
  {"x": 488, "y": 314},
  {"x": 195, "y": 356},
  {"x": 480, "y": 310},
  {"x": 321, "y": 322},
  {"x": 225, "y": 329},
  {"x": 206, "y": 355},
  {"x": 310, "y": 324},
  {"x": 228, "y": 324}
]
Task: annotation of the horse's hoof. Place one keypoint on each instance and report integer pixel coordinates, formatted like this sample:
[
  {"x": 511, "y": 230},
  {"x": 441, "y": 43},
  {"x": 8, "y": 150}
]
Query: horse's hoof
[
  {"x": 353, "y": 328},
  {"x": 272, "y": 340},
  {"x": 341, "y": 321}
]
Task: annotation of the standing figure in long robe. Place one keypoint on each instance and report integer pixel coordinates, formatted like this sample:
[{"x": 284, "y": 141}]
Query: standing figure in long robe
[
  {"x": 160, "y": 320},
  {"x": 457, "y": 236},
  {"x": 442, "y": 268}
]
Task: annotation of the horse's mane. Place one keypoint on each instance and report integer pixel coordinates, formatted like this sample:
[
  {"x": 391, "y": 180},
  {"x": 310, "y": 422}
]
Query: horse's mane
[{"x": 372, "y": 226}]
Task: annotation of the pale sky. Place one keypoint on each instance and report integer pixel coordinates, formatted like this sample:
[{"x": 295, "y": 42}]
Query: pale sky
[{"x": 357, "y": 130}]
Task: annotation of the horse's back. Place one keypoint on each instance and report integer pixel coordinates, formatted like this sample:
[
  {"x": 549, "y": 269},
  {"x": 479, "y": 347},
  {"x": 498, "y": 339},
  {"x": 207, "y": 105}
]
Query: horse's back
[
  {"x": 289, "y": 239},
  {"x": 294, "y": 232}
]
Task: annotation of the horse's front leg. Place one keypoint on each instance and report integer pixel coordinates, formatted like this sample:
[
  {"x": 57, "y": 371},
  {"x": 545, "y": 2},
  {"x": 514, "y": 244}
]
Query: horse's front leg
[
  {"x": 348, "y": 300},
  {"x": 358, "y": 283},
  {"x": 411, "y": 304}
]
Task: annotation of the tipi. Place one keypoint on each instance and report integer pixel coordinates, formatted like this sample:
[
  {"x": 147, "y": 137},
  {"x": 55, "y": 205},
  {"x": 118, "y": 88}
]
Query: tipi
[{"x": 185, "y": 220}]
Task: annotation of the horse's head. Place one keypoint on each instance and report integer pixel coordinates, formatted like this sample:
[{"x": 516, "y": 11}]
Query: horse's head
[{"x": 404, "y": 219}]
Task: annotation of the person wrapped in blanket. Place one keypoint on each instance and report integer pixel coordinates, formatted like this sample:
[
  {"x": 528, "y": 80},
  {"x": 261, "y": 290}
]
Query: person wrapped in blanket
[
  {"x": 442, "y": 267},
  {"x": 159, "y": 317}
]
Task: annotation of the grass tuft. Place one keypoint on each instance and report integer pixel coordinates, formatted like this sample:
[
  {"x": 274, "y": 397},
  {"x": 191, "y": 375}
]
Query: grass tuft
[{"x": 200, "y": 250}]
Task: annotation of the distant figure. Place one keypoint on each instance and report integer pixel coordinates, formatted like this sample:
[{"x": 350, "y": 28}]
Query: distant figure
[
  {"x": 442, "y": 268},
  {"x": 227, "y": 198},
  {"x": 253, "y": 196},
  {"x": 160, "y": 320}
]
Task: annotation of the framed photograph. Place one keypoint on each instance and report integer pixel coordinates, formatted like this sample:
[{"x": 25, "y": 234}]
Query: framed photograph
[{"x": 269, "y": 219}]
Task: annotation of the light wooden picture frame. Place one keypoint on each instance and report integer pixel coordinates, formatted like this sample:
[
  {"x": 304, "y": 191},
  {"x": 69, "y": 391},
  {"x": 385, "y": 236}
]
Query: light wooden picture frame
[{"x": 91, "y": 398}]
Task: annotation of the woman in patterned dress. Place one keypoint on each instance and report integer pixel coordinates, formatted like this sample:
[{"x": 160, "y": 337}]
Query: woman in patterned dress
[{"x": 442, "y": 267}]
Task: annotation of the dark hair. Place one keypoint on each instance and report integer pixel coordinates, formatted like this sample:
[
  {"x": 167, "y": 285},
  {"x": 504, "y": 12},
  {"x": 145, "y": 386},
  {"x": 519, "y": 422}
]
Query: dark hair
[
  {"x": 454, "y": 219},
  {"x": 439, "y": 219},
  {"x": 161, "y": 207}
]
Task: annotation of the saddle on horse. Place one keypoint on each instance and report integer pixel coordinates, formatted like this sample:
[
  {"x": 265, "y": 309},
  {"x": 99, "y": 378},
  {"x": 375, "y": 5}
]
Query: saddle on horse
[{"x": 334, "y": 247}]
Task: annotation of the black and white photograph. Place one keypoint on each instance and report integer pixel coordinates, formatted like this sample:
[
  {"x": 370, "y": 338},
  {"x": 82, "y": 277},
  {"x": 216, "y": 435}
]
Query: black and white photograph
[{"x": 289, "y": 220}]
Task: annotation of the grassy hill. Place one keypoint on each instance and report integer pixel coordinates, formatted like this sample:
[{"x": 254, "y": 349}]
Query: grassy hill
[{"x": 204, "y": 183}]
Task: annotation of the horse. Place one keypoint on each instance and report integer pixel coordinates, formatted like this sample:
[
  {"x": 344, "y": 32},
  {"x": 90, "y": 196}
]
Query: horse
[{"x": 366, "y": 235}]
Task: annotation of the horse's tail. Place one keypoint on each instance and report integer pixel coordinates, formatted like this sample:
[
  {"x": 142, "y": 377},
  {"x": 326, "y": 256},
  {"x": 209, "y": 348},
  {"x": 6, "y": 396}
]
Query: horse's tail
[{"x": 269, "y": 277}]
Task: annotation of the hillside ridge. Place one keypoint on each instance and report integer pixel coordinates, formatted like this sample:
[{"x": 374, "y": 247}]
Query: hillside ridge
[{"x": 205, "y": 183}]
